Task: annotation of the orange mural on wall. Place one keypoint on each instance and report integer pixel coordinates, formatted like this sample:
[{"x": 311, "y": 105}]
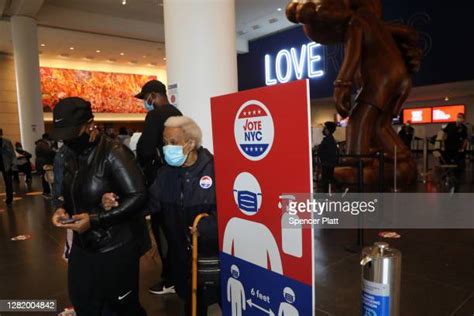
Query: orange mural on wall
[{"x": 108, "y": 92}]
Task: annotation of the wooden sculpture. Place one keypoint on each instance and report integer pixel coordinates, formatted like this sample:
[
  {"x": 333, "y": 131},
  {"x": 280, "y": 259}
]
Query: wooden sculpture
[{"x": 379, "y": 59}]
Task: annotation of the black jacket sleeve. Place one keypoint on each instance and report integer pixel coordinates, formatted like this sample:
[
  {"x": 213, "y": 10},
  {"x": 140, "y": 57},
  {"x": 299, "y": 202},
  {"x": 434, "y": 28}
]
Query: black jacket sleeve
[
  {"x": 154, "y": 203},
  {"x": 129, "y": 186},
  {"x": 152, "y": 136},
  {"x": 148, "y": 142}
]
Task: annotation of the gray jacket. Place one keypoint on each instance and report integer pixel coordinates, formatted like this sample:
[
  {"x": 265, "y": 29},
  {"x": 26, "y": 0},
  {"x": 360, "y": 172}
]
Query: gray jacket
[{"x": 8, "y": 153}]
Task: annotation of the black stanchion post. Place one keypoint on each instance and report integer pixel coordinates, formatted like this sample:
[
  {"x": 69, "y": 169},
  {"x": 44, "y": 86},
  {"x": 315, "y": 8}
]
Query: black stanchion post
[
  {"x": 360, "y": 184},
  {"x": 381, "y": 171}
]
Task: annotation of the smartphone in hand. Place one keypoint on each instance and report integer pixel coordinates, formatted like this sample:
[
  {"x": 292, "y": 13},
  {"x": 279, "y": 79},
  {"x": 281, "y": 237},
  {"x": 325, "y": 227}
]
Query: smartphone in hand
[{"x": 64, "y": 220}]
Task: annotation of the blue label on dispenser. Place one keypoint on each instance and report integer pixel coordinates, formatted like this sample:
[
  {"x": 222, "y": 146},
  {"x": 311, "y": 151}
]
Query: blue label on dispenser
[{"x": 375, "y": 299}]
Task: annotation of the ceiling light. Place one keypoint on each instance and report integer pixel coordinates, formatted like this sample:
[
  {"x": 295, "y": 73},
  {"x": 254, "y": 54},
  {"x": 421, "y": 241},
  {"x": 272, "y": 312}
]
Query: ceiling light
[
  {"x": 144, "y": 56},
  {"x": 97, "y": 51},
  {"x": 121, "y": 54},
  {"x": 446, "y": 99},
  {"x": 43, "y": 45},
  {"x": 71, "y": 48},
  {"x": 124, "y": 2},
  {"x": 279, "y": 9},
  {"x": 164, "y": 58}
]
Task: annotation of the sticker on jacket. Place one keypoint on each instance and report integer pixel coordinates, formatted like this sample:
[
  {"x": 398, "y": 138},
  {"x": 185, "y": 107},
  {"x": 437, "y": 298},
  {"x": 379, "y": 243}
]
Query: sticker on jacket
[{"x": 205, "y": 182}]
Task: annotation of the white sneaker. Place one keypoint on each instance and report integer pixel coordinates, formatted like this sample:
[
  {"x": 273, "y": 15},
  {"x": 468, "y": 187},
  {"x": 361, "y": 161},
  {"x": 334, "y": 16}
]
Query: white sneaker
[{"x": 161, "y": 289}]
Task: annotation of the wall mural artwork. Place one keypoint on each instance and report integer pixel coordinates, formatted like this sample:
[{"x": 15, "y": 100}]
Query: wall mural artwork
[{"x": 108, "y": 92}]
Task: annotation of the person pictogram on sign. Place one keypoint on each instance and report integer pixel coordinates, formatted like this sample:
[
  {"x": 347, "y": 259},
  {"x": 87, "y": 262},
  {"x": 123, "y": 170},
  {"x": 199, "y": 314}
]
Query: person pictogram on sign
[
  {"x": 236, "y": 292},
  {"x": 240, "y": 234},
  {"x": 287, "y": 308}
]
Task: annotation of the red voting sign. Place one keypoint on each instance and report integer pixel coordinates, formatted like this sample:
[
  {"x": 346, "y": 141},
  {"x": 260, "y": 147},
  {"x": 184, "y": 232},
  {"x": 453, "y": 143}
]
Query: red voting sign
[{"x": 262, "y": 151}]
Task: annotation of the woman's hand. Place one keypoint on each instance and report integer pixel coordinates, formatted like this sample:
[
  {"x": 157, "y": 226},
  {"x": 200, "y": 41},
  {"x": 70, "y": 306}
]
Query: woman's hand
[
  {"x": 60, "y": 213},
  {"x": 109, "y": 201},
  {"x": 193, "y": 230},
  {"x": 82, "y": 224}
]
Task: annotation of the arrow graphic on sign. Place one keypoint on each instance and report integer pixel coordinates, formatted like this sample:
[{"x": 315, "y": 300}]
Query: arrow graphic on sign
[{"x": 269, "y": 311}]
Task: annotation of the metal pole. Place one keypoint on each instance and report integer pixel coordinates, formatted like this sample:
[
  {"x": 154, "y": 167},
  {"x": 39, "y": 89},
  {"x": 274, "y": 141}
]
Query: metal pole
[
  {"x": 381, "y": 171},
  {"x": 360, "y": 232},
  {"x": 395, "y": 170},
  {"x": 425, "y": 161}
]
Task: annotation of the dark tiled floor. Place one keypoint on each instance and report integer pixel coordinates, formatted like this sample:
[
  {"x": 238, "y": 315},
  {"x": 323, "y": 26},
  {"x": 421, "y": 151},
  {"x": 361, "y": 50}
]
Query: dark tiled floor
[{"x": 437, "y": 269}]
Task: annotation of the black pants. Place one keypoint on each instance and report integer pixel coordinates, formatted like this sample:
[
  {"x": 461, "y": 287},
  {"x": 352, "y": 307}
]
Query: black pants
[
  {"x": 161, "y": 244},
  {"x": 8, "y": 180},
  {"x": 26, "y": 169},
  {"x": 327, "y": 177},
  {"x": 101, "y": 282}
]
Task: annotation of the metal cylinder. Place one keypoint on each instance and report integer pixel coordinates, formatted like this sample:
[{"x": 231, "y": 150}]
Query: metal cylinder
[{"x": 381, "y": 270}]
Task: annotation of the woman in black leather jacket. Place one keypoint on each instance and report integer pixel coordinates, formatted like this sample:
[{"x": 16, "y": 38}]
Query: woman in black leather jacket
[{"x": 104, "y": 261}]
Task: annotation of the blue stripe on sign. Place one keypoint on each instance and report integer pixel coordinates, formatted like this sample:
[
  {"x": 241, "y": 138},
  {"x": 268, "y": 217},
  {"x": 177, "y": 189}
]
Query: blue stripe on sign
[{"x": 254, "y": 150}]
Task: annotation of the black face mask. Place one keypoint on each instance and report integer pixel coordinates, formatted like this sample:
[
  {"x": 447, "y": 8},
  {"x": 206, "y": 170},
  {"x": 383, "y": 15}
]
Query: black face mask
[{"x": 78, "y": 144}]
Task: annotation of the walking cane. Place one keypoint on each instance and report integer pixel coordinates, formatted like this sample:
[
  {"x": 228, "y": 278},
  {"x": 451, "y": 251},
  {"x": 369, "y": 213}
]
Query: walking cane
[{"x": 195, "y": 262}]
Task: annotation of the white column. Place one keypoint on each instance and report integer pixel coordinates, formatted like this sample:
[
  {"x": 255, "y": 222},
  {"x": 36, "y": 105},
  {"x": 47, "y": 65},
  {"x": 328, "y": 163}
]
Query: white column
[
  {"x": 201, "y": 55},
  {"x": 26, "y": 55}
]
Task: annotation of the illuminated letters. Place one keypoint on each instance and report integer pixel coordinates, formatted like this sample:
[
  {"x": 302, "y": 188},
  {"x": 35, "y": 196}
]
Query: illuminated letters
[{"x": 294, "y": 64}]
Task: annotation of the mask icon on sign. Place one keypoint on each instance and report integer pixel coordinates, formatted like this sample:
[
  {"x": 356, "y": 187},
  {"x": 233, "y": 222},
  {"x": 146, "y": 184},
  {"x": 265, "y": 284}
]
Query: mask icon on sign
[
  {"x": 247, "y": 200},
  {"x": 289, "y": 295}
]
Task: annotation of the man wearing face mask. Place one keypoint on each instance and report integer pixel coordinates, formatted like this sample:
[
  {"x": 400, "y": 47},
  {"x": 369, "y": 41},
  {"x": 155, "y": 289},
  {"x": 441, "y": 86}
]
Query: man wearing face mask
[
  {"x": 456, "y": 142},
  {"x": 155, "y": 101},
  {"x": 103, "y": 269},
  {"x": 328, "y": 154},
  {"x": 149, "y": 152}
]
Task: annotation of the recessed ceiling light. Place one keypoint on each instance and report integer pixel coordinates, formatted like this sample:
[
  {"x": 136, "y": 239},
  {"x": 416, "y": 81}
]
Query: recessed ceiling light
[
  {"x": 446, "y": 99},
  {"x": 43, "y": 45},
  {"x": 121, "y": 54},
  {"x": 97, "y": 51},
  {"x": 124, "y": 2},
  {"x": 164, "y": 58},
  {"x": 279, "y": 9},
  {"x": 71, "y": 48}
]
